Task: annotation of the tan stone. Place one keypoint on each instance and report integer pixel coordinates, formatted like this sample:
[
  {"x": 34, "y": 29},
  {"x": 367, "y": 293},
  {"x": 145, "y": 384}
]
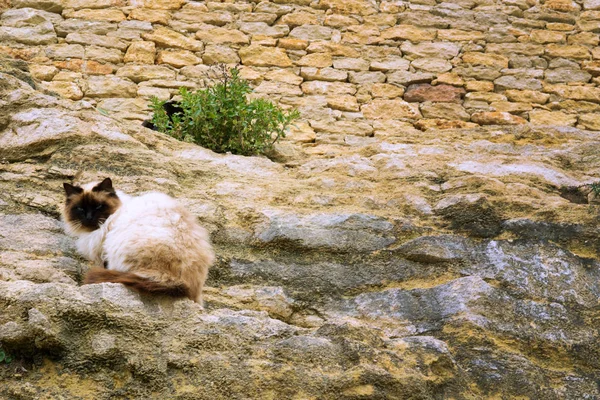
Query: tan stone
[
  {"x": 327, "y": 88},
  {"x": 339, "y": 21},
  {"x": 67, "y": 76},
  {"x": 319, "y": 60},
  {"x": 497, "y": 118},
  {"x": 301, "y": 132},
  {"x": 343, "y": 103},
  {"x": 110, "y": 15},
  {"x": 353, "y": 64},
  {"x": 222, "y": 35},
  {"x": 526, "y": 49},
  {"x": 214, "y": 54},
  {"x": 424, "y": 124},
  {"x": 360, "y": 7},
  {"x": 559, "y": 26},
  {"x": 325, "y": 74},
  {"x": 593, "y": 67},
  {"x": 292, "y": 44},
  {"x": 110, "y": 86},
  {"x": 154, "y": 16},
  {"x": 68, "y": 90},
  {"x": 261, "y": 56},
  {"x": 386, "y": 90},
  {"x": 88, "y": 39},
  {"x": 149, "y": 91},
  {"x": 229, "y": 6},
  {"x": 542, "y": 117},
  {"x": 213, "y": 18},
  {"x": 177, "y": 58},
  {"x": 488, "y": 97},
  {"x": 390, "y": 63},
  {"x": 409, "y": 32},
  {"x": 43, "y": 72},
  {"x": 354, "y": 127},
  {"x": 85, "y": 66},
  {"x": 590, "y": 121},
  {"x": 104, "y": 54},
  {"x": 546, "y": 36},
  {"x": 449, "y": 78},
  {"x": 263, "y": 40},
  {"x": 527, "y": 96},
  {"x": 280, "y": 88},
  {"x": 158, "y": 4},
  {"x": 390, "y": 109},
  {"x": 492, "y": 60},
  {"x": 381, "y": 19},
  {"x": 168, "y": 38},
  {"x": 574, "y": 51},
  {"x": 284, "y": 75},
  {"x": 479, "y": 86},
  {"x": 336, "y": 49},
  {"x": 141, "y": 52},
  {"x": 366, "y": 77},
  {"x": 586, "y": 93},
  {"x": 511, "y": 107},
  {"x": 138, "y": 73},
  {"x": 79, "y": 4},
  {"x": 362, "y": 38},
  {"x": 585, "y": 38},
  {"x": 299, "y": 18},
  {"x": 562, "y": 5},
  {"x": 267, "y": 18},
  {"x": 457, "y": 35},
  {"x": 432, "y": 64}
]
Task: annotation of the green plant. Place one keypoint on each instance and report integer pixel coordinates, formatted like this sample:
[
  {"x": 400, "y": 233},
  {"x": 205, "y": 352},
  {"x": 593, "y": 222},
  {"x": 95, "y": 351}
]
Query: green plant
[
  {"x": 4, "y": 357},
  {"x": 595, "y": 188},
  {"x": 222, "y": 118}
]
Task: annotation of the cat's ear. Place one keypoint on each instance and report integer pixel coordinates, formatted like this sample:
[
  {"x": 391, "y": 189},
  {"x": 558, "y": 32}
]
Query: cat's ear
[
  {"x": 71, "y": 190},
  {"x": 104, "y": 186}
]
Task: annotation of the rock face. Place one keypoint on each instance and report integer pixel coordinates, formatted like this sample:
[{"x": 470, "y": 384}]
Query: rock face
[{"x": 460, "y": 263}]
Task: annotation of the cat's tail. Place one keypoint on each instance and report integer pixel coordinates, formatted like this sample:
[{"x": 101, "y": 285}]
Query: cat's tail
[{"x": 137, "y": 282}]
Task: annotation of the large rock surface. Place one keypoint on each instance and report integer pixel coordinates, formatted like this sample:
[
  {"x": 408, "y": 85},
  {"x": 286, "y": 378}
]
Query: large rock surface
[{"x": 426, "y": 265}]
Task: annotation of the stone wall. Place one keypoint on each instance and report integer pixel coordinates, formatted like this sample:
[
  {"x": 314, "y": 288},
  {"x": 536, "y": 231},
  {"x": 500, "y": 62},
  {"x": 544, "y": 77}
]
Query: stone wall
[{"x": 350, "y": 66}]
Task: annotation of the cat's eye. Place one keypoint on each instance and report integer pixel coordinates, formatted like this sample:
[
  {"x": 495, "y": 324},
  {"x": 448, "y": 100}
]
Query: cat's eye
[
  {"x": 79, "y": 209},
  {"x": 100, "y": 207}
]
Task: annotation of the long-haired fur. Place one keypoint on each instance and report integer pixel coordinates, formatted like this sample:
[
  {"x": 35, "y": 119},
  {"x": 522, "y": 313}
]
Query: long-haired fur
[{"x": 149, "y": 243}]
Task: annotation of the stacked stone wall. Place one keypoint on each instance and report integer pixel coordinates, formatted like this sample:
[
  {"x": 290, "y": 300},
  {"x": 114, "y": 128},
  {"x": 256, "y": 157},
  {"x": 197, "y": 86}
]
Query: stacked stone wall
[{"x": 350, "y": 66}]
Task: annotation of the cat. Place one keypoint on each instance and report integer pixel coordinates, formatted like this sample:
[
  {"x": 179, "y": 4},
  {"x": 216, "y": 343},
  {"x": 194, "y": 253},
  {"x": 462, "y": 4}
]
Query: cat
[
  {"x": 171, "y": 107},
  {"x": 149, "y": 242}
]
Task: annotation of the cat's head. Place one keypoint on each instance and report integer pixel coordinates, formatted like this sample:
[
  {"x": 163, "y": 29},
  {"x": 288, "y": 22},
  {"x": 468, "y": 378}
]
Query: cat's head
[{"x": 89, "y": 206}]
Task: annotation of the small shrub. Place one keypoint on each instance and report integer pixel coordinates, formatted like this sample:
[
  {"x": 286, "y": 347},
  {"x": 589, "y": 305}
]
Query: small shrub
[{"x": 222, "y": 119}]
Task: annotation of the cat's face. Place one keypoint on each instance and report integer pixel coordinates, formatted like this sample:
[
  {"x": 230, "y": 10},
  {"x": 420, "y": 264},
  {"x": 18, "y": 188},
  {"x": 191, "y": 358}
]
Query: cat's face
[{"x": 88, "y": 207}]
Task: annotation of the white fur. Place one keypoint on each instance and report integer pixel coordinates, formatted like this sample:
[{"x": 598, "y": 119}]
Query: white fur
[{"x": 146, "y": 220}]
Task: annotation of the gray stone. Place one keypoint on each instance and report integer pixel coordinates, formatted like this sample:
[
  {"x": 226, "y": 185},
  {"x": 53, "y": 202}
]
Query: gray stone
[
  {"x": 512, "y": 82},
  {"x": 444, "y": 111},
  {"x": 337, "y": 232},
  {"x": 563, "y": 75}
]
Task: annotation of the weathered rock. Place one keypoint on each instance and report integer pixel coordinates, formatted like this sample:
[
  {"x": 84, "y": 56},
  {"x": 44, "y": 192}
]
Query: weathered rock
[
  {"x": 261, "y": 56},
  {"x": 164, "y": 37},
  {"x": 141, "y": 52},
  {"x": 496, "y": 118},
  {"x": 110, "y": 86},
  {"x": 96, "y": 40},
  {"x": 42, "y": 33},
  {"x": 219, "y": 54},
  {"x": 450, "y": 111},
  {"x": 222, "y": 35},
  {"x": 138, "y": 73},
  {"x": 389, "y": 109},
  {"x": 440, "y": 93},
  {"x": 541, "y": 117}
]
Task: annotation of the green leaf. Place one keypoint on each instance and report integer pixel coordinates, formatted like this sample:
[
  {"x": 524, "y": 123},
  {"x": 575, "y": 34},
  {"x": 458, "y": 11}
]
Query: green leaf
[
  {"x": 2, "y": 355},
  {"x": 102, "y": 111}
]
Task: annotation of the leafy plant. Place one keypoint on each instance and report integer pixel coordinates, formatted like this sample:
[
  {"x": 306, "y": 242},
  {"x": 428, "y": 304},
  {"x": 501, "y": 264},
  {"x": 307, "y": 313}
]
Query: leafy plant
[
  {"x": 222, "y": 118},
  {"x": 4, "y": 357},
  {"x": 595, "y": 188}
]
